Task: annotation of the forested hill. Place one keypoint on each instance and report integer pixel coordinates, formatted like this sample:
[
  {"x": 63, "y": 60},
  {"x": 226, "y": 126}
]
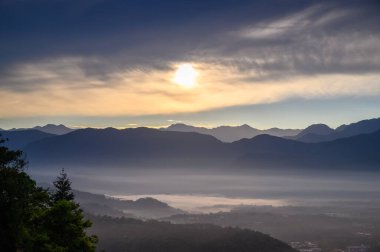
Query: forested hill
[{"x": 120, "y": 235}]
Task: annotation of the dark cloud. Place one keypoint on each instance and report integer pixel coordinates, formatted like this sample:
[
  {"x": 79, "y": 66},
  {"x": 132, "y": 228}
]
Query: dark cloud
[
  {"x": 35, "y": 29},
  {"x": 320, "y": 39},
  {"x": 275, "y": 39}
]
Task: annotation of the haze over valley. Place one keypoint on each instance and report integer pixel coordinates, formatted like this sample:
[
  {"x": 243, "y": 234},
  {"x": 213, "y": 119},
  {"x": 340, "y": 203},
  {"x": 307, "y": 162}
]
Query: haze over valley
[{"x": 189, "y": 126}]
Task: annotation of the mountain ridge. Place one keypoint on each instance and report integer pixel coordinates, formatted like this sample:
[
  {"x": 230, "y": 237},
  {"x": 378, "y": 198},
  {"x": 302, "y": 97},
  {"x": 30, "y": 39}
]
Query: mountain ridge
[
  {"x": 55, "y": 129},
  {"x": 230, "y": 133},
  {"x": 20, "y": 138},
  {"x": 127, "y": 146},
  {"x": 144, "y": 147},
  {"x": 311, "y": 134}
]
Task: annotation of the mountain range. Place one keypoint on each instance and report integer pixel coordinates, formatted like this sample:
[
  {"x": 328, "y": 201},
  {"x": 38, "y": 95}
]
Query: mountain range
[
  {"x": 232, "y": 133},
  {"x": 154, "y": 148},
  {"x": 321, "y": 132},
  {"x": 355, "y": 146},
  {"x": 48, "y": 128},
  {"x": 312, "y": 133}
]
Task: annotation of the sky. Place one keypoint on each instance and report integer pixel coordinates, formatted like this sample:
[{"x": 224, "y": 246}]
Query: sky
[{"x": 130, "y": 63}]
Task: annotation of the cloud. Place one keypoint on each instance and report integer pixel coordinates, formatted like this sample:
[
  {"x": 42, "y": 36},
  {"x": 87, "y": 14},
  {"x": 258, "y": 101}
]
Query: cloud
[
  {"x": 118, "y": 58},
  {"x": 322, "y": 39},
  {"x": 140, "y": 92},
  {"x": 293, "y": 37}
]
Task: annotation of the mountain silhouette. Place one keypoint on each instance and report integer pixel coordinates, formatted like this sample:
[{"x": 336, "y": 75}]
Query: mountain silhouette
[
  {"x": 231, "y": 133},
  {"x": 154, "y": 148},
  {"x": 267, "y": 151},
  {"x": 361, "y": 127},
  {"x": 54, "y": 129},
  {"x": 48, "y": 128},
  {"x": 322, "y": 133},
  {"x": 128, "y": 146},
  {"x": 19, "y": 139},
  {"x": 317, "y": 129}
]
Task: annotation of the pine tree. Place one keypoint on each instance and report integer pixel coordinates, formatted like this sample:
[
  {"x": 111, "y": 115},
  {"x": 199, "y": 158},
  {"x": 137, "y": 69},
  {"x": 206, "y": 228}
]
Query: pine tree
[
  {"x": 63, "y": 188},
  {"x": 65, "y": 222},
  {"x": 33, "y": 220},
  {"x": 65, "y": 225}
]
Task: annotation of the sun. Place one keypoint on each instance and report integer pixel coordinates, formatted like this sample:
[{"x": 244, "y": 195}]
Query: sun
[{"x": 185, "y": 76}]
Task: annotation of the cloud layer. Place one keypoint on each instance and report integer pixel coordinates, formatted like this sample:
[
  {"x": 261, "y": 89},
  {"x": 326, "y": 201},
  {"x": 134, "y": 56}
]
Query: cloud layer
[{"x": 118, "y": 57}]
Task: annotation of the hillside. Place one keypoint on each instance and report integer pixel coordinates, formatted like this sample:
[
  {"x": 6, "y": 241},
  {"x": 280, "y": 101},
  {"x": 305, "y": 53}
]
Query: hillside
[
  {"x": 135, "y": 235},
  {"x": 19, "y": 139},
  {"x": 97, "y": 204}
]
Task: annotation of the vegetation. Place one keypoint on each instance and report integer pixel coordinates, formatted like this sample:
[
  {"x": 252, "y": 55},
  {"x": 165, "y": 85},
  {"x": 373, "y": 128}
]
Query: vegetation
[
  {"x": 31, "y": 219},
  {"x": 132, "y": 235}
]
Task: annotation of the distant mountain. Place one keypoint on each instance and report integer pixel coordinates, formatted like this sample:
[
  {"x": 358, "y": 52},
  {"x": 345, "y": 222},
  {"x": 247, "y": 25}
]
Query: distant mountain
[
  {"x": 317, "y": 129},
  {"x": 315, "y": 138},
  {"x": 267, "y": 151},
  {"x": 19, "y": 139},
  {"x": 280, "y": 132},
  {"x": 361, "y": 127},
  {"x": 154, "y": 148},
  {"x": 231, "y": 133},
  {"x": 180, "y": 127},
  {"x": 54, "y": 129},
  {"x": 48, "y": 128},
  {"x": 321, "y": 133},
  {"x": 314, "y": 133},
  {"x": 141, "y": 146},
  {"x": 149, "y": 202},
  {"x": 141, "y": 208}
]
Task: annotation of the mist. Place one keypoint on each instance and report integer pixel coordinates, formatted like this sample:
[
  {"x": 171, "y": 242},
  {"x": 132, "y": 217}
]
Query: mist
[{"x": 223, "y": 187}]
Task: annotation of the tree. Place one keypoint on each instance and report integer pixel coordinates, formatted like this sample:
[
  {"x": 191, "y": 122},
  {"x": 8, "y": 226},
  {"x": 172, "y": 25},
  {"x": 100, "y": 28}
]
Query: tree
[
  {"x": 10, "y": 159},
  {"x": 65, "y": 223},
  {"x": 66, "y": 228},
  {"x": 33, "y": 220},
  {"x": 21, "y": 202},
  {"x": 63, "y": 188}
]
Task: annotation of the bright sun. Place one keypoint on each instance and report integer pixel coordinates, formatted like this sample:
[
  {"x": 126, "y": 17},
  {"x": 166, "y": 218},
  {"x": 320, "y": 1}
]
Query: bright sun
[{"x": 185, "y": 76}]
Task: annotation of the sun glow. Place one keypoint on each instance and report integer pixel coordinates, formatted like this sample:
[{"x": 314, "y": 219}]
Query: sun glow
[{"x": 185, "y": 76}]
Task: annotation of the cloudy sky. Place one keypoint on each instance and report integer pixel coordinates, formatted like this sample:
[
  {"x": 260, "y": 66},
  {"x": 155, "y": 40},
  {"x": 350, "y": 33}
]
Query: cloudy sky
[{"x": 116, "y": 63}]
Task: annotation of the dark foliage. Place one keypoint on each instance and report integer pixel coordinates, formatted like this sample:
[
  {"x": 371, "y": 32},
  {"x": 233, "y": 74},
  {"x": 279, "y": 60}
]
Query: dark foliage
[
  {"x": 65, "y": 226},
  {"x": 120, "y": 234},
  {"x": 63, "y": 188},
  {"x": 21, "y": 202},
  {"x": 30, "y": 219}
]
